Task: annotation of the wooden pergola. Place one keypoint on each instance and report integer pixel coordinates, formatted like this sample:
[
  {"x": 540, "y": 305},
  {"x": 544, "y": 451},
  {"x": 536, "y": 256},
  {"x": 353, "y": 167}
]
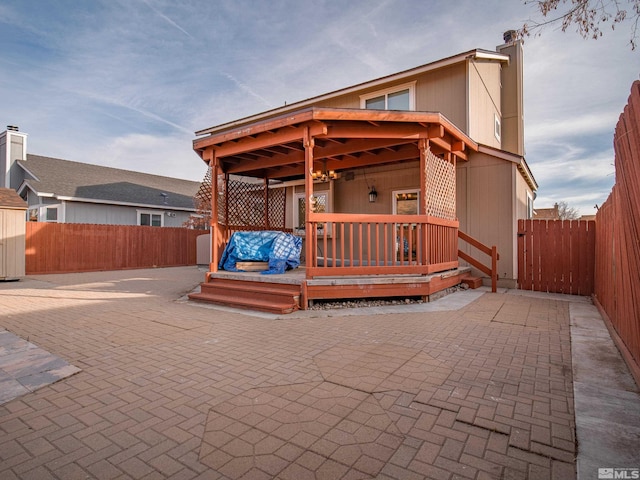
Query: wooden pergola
[{"x": 295, "y": 145}]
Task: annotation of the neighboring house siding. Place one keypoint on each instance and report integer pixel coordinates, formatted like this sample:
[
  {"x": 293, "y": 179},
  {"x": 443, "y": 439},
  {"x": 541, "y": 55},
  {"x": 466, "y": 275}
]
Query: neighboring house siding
[
  {"x": 100, "y": 214},
  {"x": 77, "y": 212},
  {"x": 485, "y": 101}
]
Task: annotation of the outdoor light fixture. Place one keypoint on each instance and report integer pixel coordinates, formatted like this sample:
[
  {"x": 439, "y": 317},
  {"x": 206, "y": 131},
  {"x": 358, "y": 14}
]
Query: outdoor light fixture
[
  {"x": 324, "y": 175},
  {"x": 373, "y": 195}
]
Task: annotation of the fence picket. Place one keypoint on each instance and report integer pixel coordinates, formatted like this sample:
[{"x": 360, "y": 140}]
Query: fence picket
[
  {"x": 617, "y": 245},
  {"x": 556, "y": 256},
  {"x": 69, "y": 247}
]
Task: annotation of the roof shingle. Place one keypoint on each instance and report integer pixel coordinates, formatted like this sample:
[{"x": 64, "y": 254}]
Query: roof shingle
[
  {"x": 9, "y": 198},
  {"x": 65, "y": 178}
]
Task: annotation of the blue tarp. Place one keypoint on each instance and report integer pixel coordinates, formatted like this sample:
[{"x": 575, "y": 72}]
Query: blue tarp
[{"x": 281, "y": 250}]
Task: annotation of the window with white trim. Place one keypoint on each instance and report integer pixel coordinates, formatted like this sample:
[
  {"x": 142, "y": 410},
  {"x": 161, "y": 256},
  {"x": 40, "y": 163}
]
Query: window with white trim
[
  {"x": 51, "y": 214},
  {"x": 299, "y": 206},
  {"x": 401, "y": 97},
  {"x": 529, "y": 206},
  {"x": 497, "y": 128},
  {"x": 150, "y": 218},
  {"x": 406, "y": 202}
]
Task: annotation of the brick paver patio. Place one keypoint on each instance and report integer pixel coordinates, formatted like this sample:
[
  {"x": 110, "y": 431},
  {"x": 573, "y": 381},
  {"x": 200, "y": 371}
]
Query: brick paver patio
[{"x": 172, "y": 390}]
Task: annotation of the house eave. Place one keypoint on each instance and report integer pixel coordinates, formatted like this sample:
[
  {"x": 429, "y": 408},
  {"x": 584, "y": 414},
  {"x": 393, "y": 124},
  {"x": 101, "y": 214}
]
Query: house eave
[{"x": 459, "y": 58}]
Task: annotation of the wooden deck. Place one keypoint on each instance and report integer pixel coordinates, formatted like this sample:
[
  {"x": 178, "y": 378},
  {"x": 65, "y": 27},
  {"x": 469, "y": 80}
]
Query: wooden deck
[{"x": 291, "y": 291}]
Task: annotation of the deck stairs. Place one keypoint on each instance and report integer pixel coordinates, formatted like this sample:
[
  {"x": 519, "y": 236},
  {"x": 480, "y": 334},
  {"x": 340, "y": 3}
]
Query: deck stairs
[
  {"x": 277, "y": 298},
  {"x": 471, "y": 281}
]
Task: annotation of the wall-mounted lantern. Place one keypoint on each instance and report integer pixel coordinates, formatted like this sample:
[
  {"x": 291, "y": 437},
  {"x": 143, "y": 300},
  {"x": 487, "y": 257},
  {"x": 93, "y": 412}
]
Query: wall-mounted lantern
[{"x": 373, "y": 195}]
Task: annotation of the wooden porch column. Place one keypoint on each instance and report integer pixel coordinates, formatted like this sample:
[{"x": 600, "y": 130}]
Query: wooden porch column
[
  {"x": 214, "y": 227},
  {"x": 226, "y": 203},
  {"x": 266, "y": 203},
  {"x": 308, "y": 192},
  {"x": 423, "y": 146}
]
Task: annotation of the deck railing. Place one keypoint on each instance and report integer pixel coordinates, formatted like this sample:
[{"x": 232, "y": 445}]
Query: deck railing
[
  {"x": 491, "y": 251},
  {"x": 359, "y": 244}
]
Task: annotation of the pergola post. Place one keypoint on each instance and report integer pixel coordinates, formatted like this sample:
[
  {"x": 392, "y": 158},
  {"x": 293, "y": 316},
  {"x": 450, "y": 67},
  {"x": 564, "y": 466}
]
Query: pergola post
[
  {"x": 213, "y": 223},
  {"x": 423, "y": 146},
  {"x": 266, "y": 203},
  {"x": 308, "y": 191}
]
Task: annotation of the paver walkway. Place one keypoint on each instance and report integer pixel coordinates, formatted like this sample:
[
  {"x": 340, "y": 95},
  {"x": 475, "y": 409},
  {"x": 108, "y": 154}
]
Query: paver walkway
[{"x": 172, "y": 390}]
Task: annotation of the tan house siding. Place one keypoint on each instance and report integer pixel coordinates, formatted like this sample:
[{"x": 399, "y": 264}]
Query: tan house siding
[
  {"x": 484, "y": 101},
  {"x": 352, "y": 195},
  {"x": 522, "y": 190},
  {"x": 351, "y": 100},
  {"x": 512, "y": 100},
  {"x": 488, "y": 213},
  {"x": 443, "y": 91}
]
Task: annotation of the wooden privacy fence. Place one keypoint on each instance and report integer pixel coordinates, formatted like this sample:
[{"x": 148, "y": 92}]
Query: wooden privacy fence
[
  {"x": 617, "y": 274},
  {"x": 72, "y": 247},
  {"x": 556, "y": 256}
]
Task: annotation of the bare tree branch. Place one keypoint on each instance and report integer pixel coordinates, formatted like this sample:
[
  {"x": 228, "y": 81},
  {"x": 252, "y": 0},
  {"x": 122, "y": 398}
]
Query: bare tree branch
[{"x": 587, "y": 15}]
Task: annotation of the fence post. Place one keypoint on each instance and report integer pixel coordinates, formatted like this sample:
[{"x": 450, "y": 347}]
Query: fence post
[{"x": 494, "y": 269}]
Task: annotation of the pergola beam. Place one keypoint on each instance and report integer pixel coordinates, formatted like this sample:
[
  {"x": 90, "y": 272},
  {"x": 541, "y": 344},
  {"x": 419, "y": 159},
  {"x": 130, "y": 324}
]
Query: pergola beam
[
  {"x": 345, "y": 138},
  {"x": 268, "y": 139}
]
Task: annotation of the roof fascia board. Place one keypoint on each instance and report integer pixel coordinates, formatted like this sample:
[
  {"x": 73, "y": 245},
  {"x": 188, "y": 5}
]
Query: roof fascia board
[
  {"x": 121, "y": 204},
  {"x": 19, "y": 163},
  {"x": 322, "y": 114},
  {"x": 445, "y": 62}
]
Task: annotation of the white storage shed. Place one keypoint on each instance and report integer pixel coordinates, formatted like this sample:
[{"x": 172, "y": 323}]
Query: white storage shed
[{"x": 12, "y": 235}]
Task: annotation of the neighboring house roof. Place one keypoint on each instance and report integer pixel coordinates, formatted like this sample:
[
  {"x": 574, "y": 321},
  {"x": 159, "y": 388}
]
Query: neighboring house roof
[
  {"x": 9, "y": 198},
  {"x": 67, "y": 180},
  {"x": 547, "y": 213},
  {"x": 378, "y": 82}
]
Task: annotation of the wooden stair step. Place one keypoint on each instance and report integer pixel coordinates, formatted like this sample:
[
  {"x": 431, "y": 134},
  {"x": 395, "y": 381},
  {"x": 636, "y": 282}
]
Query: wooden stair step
[
  {"x": 249, "y": 303},
  {"x": 263, "y": 296},
  {"x": 248, "y": 291},
  {"x": 473, "y": 282}
]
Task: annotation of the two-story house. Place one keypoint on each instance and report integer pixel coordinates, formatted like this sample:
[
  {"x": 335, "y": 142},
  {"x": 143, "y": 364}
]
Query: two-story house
[{"x": 381, "y": 177}]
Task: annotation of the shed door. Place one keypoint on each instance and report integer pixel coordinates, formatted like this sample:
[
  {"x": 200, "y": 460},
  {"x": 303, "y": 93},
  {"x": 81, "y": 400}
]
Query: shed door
[{"x": 3, "y": 240}]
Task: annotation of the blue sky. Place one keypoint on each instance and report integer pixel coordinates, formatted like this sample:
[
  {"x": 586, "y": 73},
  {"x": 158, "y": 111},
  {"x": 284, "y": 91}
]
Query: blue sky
[{"x": 126, "y": 83}]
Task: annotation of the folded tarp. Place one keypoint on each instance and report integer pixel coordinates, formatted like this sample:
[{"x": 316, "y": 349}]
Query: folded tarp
[{"x": 280, "y": 250}]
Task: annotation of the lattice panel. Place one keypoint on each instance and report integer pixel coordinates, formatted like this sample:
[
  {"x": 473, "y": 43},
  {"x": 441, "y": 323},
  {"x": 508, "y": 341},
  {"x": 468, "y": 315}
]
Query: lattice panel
[
  {"x": 277, "y": 207},
  {"x": 441, "y": 187},
  {"x": 247, "y": 205}
]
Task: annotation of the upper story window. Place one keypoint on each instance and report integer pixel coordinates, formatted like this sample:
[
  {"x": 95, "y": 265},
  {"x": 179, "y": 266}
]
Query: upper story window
[{"x": 400, "y": 97}]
